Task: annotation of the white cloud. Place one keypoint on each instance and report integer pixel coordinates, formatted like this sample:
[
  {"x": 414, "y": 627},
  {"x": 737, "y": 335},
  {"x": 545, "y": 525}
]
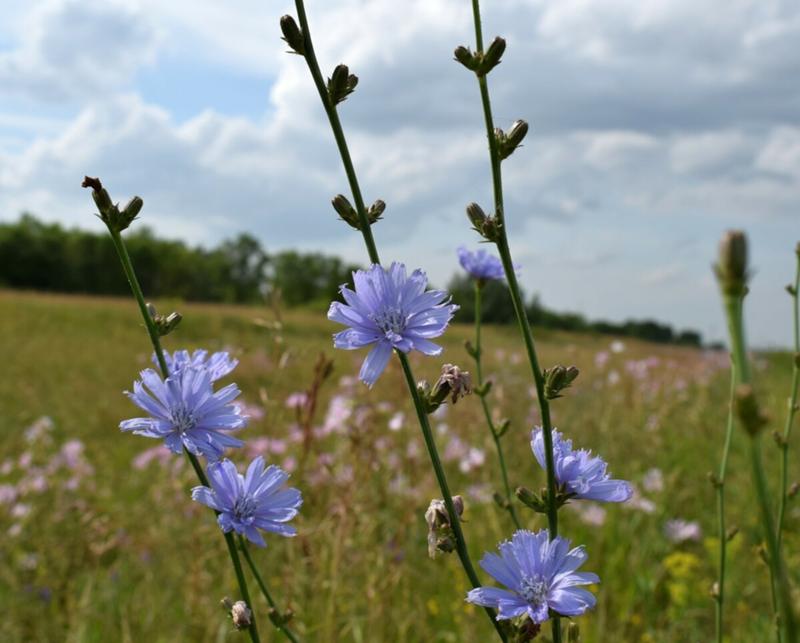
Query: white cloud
[{"x": 73, "y": 49}]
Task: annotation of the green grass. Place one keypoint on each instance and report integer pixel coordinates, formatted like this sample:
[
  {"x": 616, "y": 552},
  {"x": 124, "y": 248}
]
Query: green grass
[{"x": 127, "y": 556}]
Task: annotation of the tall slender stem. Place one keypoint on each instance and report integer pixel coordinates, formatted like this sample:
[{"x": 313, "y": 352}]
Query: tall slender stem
[
  {"x": 260, "y": 581},
  {"x": 485, "y": 406},
  {"x": 136, "y": 289},
  {"x": 792, "y": 404},
  {"x": 516, "y": 297},
  {"x": 369, "y": 241},
  {"x": 779, "y": 580},
  {"x": 720, "y": 485}
]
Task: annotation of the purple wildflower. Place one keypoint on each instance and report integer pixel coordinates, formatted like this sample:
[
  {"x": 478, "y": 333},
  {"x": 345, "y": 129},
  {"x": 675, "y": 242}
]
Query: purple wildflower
[
  {"x": 481, "y": 265},
  {"x": 247, "y": 503},
  {"x": 540, "y": 576},
  {"x": 581, "y": 473},
  {"x": 186, "y": 412},
  {"x": 218, "y": 365},
  {"x": 392, "y": 311},
  {"x": 678, "y": 530}
]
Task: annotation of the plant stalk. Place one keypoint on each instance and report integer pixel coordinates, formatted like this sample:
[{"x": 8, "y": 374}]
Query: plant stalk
[
  {"x": 485, "y": 406},
  {"x": 152, "y": 331}
]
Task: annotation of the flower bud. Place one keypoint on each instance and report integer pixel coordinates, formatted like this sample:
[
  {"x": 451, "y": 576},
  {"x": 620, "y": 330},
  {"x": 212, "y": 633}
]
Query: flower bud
[
  {"x": 491, "y": 57},
  {"x": 341, "y": 84},
  {"x": 487, "y": 227},
  {"x": 375, "y": 211},
  {"x": 509, "y": 141},
  {"x": 164, "y": 324},
  {"x": 292, "y": 35},
  {"x": 467, "y": 58},
  {"x": 557, "y": 379},
  {"x": 131, "y": 209},
  {"x": 109, "y": 212},
  {"x": 731, "y": 269},
  {"x": 573, "y": 633},
  {"x": 530, "y": 499},
  {"x": 346, "y": 211},
  {"x": 793, "y": 490},
  {"x": 750, "y": 414}
]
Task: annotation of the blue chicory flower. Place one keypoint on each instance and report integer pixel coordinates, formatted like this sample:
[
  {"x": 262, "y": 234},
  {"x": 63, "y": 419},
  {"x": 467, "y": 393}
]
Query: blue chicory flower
[
  {"x": 218, "y": 364},
  {"x": 481, "y": 265},
  {"x": 540, "y": 576},
  {"x": 390, "y": 310},
  {"x": 185, "y": 411},
  {"x": 247, "y": 503},
  {"x": 581, "y": 473}
]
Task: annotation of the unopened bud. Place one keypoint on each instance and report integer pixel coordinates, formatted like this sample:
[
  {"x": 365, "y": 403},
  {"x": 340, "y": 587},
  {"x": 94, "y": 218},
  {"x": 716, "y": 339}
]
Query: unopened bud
[
  {"x": 500, "y": 500},
  {"x": 793, "y": 490},
  {"x": 504, "y": 424},
  {"x": 292, "y": 35},
  {"x": 530, "y": 499},
  {"x": 573, "y": 633},
  {"x": 131, "y": 209},
  {"x": 164, "y": 324},
  {"x": 346, "y": 211},
  {"x": 341, "y": 84},
  {"x": 714, "y": 591},
  {"x": 491, "y": 57},
  {"x": 375, "y": 211},
  {"x": 467, "y": 58},
  {"x": 487, "y": 227},
  {"x": 558, "y": 378},
  {"x": 109, "y": 212},
  {"x": 509, "y": 141},
  {"x": 731, "y": 268},
  {"x": 748, "y": 410}
]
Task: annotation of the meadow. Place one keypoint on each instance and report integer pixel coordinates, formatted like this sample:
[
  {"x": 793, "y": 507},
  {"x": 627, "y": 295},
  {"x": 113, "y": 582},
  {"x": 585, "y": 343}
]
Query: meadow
[{"x": 101, "y": 541}]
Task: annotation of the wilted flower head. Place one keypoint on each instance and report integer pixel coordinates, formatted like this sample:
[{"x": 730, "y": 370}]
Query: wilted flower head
[
  {"x": 440, "y": 532},
  {"x": 186, "y": 412},
  {"x": 247, "y": 503},
  {"x": 540, "y": 576},
  {"x": 581, "y": 473},
  {"x": 218, "y": 365},
  {"x": 481, "y": 265},
  {"x": 392, "y": 311}
]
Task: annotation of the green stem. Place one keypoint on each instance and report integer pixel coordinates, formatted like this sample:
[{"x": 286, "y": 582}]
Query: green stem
[
  {"x": 792, "y": 407},
  {"x": 485, "y": 406},
  {"x": 779, "y": 580},
  {"x": 441, "y": 478},
  {"x": 516, "y": 298},
  {"x": 723, "y": 536},
  {"x": 338, "y": 132},
  {"x": 136, "y": 289},
  {"x": 260, "y": 581},
  {"x": 369, "y": 241}
]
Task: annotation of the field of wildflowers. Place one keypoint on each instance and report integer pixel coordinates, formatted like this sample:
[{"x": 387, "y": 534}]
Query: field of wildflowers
[
  {"x": 321, "y": 486},
  {"x": 102, "y": 541}
]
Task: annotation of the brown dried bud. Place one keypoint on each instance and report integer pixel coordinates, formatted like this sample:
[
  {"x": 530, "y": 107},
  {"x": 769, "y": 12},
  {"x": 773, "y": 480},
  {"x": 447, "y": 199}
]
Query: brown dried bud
[
  {"x": 452, "y": 382},
  {"x": 440, "y": 532},
  {"x": 341, "y": 84},
  {"x": 241, "y": 615}
]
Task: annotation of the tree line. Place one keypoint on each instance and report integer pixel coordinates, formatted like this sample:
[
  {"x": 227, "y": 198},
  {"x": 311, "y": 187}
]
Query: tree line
[{"x": 35, "y": 255}]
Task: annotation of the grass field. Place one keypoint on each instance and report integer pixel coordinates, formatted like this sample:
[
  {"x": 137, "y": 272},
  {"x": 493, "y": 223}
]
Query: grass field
[{"x": 101, "y": 541}]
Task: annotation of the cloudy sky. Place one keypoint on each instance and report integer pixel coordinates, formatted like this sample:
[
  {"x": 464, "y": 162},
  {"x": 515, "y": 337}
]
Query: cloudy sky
[{"x": 655, "y": 126}]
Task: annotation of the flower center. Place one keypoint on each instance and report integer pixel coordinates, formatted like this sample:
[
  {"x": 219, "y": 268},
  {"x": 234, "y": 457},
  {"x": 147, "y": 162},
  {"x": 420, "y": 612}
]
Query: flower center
[
  {"x": 390, "y": 320},
  {"x": 533, "y": 590},
  {"x": 183, "y": 419},
  {"x": 244, "y": 509}
]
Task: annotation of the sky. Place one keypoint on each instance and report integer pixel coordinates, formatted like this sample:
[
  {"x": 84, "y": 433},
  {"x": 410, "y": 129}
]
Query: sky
[{"x": 655, "y": 126}]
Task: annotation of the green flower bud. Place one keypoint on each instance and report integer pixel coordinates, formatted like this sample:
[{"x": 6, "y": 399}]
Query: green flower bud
[
  {"x": 341, "y": 84},
  {"x": 491, "y": 57},
  {"x": 557, "y": 379},
  {"x": 467, "y": 58},
  {"x": 375, "y": 211},
  {"x": 292, "y": 35},
  {"x": 747, "y": 409},
  {"x": 346, "y": 211},
  {"x": 731, "y": 270},
  {"x": 487, "y": 227},
  {"x": 509, "y": 141}
]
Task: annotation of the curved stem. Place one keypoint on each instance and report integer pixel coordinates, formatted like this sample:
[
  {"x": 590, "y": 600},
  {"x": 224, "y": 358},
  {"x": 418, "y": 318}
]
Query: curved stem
[
  {"x": 487, "y": 413},
  {"x": 136, "y": 289},
  {"x": 779, "y": 580},
  {"x": 722, "y": 532},
  {"x": 369, "y": 241},
  {"x": 260, "y": 581},
  {"x": 516, "y": 298}
]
